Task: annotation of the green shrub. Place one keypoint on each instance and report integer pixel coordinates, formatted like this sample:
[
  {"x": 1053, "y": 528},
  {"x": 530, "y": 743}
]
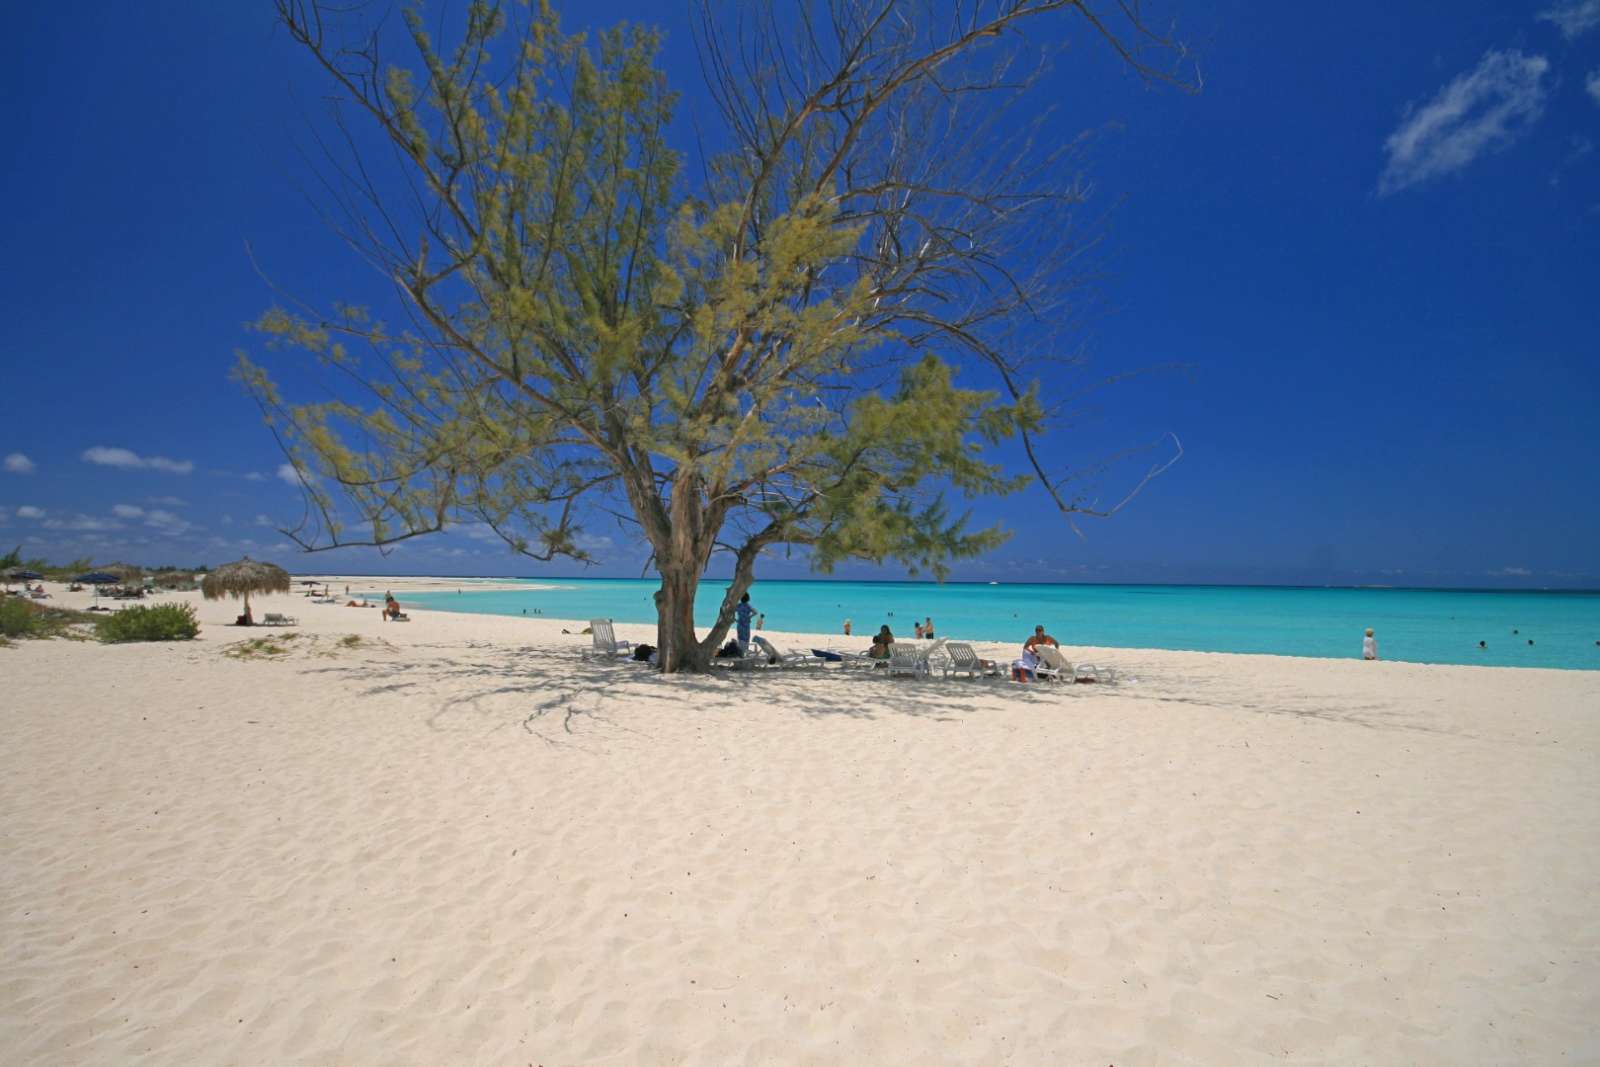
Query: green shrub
[
  {"x": 29, "y": 618},
  {"x": 159, "y": 622},
  {"x": 17, "y": 618}
]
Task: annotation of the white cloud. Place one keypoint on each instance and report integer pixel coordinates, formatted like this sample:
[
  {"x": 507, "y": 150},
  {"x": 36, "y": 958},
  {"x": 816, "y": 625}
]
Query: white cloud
[
  {"x": 262, "y": 520},
  {"x": 255, "y": 476},
  {"x": 106, "y": 456},
  {"x": 289, "y": 476},
  {"x": 161, "y": 521},
  {"x": 594, "y": 543},
  {"x": 168, "y": 501},
  {"x": 1575, "y": 17},
  {"x": 1591, "y": 83},
  {"x": 1513, "y": 572},
  {"x": 82, "y": 522},
  {"x": 1480, "y": 111},
  {"x": 168, "y": 523},
  {"x": 28, "y": 511},
  {"x": 17, "y": 463},
  {"x": 479, "y": 531}
]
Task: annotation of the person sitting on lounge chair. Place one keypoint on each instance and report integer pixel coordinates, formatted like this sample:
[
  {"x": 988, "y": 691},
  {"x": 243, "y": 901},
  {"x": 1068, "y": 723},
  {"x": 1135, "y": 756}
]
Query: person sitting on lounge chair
[
  {"x": 1040, "y": 638},
  {"x": 1022, "y": 669},
  {"x": 391, "y": 608},
  {"x": 881, "y": 643}
]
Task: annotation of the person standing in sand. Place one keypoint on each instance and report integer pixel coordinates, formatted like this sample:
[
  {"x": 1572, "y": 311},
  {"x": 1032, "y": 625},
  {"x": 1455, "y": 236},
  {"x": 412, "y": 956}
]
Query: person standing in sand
[
  {"x": 742, "y": 616},
  {"x": 847, "y": 629},
  {"x": 927, "y": 628},
  {"x": 1369, "y": 646}
]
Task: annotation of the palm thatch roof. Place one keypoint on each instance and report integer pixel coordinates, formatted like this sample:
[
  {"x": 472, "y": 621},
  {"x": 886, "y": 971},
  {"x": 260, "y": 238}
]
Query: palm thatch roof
[{"x": 244, "y": 577}]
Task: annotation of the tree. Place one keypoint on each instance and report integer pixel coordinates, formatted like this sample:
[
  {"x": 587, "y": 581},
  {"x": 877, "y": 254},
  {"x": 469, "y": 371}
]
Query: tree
[{"x": 753, "y": 363}]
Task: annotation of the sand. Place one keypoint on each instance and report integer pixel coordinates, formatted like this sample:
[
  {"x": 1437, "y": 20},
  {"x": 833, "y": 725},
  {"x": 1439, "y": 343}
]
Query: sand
[{"x": 454, "y": 842}]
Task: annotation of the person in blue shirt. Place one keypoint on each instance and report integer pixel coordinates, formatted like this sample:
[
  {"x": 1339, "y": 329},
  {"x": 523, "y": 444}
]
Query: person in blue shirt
[{"x": 743, "y": 614}]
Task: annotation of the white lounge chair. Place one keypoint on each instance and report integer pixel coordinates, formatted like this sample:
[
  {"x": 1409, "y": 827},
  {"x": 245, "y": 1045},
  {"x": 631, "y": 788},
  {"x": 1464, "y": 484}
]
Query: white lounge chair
[
  {"x": 1052, "y": 664},
  {"x": 963, "y": 660},
  {"x": 764, "y": 651},
  {"x": 904, "y": 659},
  {"x": 272, "y": 618},
  {"x": 605, "y": 640},
  {"x": 857, "y": 659},
  {"x": 907, "y": 658},
  {"x": 1089, "y": 672}
]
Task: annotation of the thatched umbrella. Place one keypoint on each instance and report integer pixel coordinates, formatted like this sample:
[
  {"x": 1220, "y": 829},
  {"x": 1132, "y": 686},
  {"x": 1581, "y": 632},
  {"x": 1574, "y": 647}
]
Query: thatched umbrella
[
  {"x": 127, "y": 573},
  {"x": 242, "y": 578}
]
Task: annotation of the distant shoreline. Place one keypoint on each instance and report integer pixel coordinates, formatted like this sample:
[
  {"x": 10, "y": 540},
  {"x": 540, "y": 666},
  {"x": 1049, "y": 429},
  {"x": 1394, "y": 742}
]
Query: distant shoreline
[{"x": 554, "y": 581}]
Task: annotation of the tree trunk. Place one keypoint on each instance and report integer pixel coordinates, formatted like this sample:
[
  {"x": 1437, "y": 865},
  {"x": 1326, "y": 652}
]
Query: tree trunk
[{"x": 679, "y": 648}]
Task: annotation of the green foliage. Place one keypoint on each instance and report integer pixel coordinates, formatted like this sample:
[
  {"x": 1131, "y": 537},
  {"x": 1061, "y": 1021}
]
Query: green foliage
[
  {"x": 144, "y": 622},
  {"x": 757, "y": 361},
  {"x": 17, "y": 618},
  {"x": 20, "y": 617},
  {"x": 261, "y": 647},
  {"x": 11, "y": 559}
]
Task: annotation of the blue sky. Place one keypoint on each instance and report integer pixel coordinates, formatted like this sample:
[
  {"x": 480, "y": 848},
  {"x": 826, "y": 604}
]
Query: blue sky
[{"x": 1373, "y": 240}]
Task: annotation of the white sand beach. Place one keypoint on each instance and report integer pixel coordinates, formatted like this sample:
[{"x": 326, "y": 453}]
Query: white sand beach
[{"x": 455, "y": 842}]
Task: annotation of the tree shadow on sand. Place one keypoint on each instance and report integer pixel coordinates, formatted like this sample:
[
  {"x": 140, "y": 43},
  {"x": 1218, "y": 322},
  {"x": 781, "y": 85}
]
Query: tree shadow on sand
[{"x": 500, "y": 687}]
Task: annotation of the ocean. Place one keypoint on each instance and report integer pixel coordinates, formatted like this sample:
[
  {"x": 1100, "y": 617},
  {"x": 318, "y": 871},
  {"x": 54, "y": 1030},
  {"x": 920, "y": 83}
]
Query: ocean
[{"x": 1520, "y": 629}]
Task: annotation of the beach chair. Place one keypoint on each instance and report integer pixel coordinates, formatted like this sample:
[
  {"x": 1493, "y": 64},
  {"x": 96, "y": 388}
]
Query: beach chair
[
  {"x": 1089, "y": 672},
  {"x": 905, "y": 659},
  {"x": 773, "y": 656},
  {"x": 909, "y": 659},
  {"x": 1052, "y": 664},
  {"x": 961, "y": 659},
  {"x": 272, "y": 618},
  {"x": 605, "y": 640},
  {"x": 856, "y": 659}
]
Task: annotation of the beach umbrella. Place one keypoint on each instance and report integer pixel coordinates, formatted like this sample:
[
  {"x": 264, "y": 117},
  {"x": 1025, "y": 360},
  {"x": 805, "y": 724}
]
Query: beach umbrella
[
  {"x": 243, "y": 577},
  {"x": 22, "y": 576},
  {"x": 97, "y": 579}
]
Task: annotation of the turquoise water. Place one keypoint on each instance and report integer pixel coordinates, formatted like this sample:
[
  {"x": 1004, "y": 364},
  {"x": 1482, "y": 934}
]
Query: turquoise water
[{"x": 1423, "y": 626}]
